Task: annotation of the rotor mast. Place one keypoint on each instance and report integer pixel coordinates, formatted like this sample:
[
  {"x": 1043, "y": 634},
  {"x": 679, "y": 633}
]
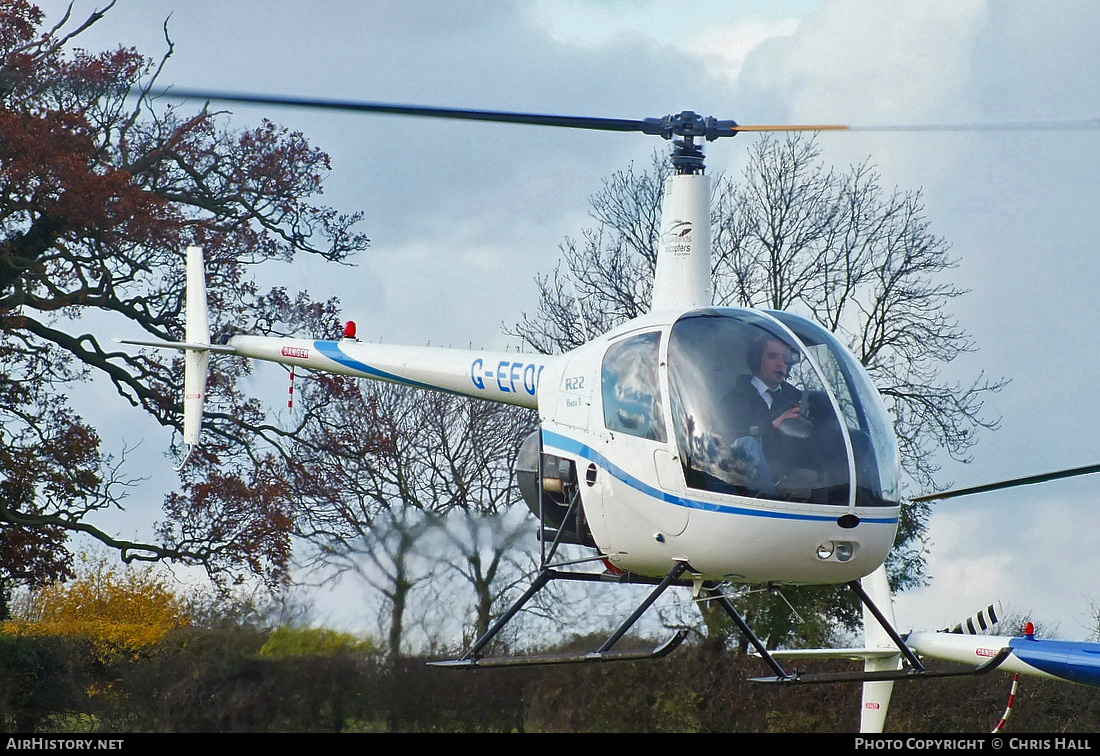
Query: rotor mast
[{"x": 683, "y": 275}]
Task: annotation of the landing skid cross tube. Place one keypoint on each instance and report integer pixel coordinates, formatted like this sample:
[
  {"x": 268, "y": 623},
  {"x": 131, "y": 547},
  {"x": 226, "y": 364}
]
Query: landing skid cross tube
[{"x": 473, "y": 658}]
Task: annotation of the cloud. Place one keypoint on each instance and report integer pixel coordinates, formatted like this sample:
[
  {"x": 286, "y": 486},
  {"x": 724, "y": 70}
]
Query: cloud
[{"x": 855, "y": 60}]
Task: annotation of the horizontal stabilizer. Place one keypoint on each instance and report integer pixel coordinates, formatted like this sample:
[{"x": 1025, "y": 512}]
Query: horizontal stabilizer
[{"x": 180, "y": 346}]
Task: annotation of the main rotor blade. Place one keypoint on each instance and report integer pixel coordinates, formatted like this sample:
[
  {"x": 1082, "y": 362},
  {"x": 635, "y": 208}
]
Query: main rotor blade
[
  {"x": 1079, "y": 124},
  {"x": 682, "y": 124},
  {"x": 685, "y": 124},
  {"x": 645, "y": 125},
  {"x": 1025, "y": 481},
  {"x": 496, "y": 116}
]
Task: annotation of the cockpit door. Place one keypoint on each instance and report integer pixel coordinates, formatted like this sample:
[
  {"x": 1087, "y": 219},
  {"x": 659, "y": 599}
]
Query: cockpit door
[{"x": 635, "y": 420}]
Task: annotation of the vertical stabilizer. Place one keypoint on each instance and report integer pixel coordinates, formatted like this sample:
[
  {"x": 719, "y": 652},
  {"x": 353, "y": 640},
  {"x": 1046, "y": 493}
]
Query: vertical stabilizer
[
  {"x": 876, "y": 695},
  {"x": 196, "y": 361}
]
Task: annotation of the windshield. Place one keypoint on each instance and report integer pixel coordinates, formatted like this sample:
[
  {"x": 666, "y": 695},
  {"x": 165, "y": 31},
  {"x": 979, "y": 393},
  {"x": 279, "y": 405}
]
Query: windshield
[{"x": 778, "y": 412}]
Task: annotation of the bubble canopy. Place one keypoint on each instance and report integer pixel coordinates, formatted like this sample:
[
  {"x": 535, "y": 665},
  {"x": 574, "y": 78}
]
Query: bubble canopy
[{"x": 771, "y": 405}]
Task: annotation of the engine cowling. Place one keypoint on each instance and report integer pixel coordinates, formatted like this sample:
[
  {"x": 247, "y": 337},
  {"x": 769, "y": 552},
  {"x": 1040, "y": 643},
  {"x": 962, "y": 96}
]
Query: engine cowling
[{"x": 548, "y": 484}]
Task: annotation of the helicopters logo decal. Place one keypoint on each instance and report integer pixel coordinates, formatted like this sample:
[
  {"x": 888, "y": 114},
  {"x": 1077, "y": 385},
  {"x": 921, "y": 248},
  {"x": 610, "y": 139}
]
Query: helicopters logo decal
[{"x": 677, "y": 237}]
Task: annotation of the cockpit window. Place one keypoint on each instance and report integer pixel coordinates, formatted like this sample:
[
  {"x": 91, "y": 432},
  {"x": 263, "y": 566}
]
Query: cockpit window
[
  {"x": 759, "y": 412},
  {"x": 874, "y": 444},
  {"x": 631, "y": 389}
]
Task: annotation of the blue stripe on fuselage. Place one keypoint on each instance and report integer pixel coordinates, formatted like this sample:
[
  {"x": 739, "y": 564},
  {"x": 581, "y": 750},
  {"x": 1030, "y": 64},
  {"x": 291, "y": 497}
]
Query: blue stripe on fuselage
[
  {"x": 331, "y": 349},
  {"x": 1075, "y": 661},
  {"x": 572, "y": 446}
]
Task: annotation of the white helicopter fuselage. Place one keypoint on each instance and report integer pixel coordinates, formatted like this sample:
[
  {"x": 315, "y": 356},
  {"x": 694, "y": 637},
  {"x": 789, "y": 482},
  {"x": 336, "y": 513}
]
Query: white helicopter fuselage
[{"x": 644, "y": 516}]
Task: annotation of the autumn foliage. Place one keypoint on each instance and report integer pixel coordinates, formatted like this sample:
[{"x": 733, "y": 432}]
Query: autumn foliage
[
  {"x": 119, "y": 611},
  {"x": 103, "y": 185}
]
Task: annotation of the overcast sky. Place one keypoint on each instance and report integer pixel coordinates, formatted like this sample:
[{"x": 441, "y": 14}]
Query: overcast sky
[{"x": 462, "y": 216}]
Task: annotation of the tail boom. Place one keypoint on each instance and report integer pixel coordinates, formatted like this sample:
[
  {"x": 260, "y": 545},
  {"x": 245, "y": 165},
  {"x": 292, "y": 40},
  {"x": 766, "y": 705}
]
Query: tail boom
[
  {"x": 1071, "y": 661},
  {"x": 508, "y": 377}
]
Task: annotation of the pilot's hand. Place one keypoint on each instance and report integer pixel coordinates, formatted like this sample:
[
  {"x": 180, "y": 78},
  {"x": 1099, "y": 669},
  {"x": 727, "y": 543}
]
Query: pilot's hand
[{"x": 793, "y": 412}]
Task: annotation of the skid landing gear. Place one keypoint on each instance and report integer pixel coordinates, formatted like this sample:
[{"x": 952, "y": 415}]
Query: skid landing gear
[
  {"x": 552, "y": 490},
  {"x": 605, "y": 653}
]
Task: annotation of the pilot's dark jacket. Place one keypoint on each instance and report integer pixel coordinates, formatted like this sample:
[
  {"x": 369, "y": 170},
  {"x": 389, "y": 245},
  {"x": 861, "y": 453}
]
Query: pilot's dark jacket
[{"x": 749, "y": 415}]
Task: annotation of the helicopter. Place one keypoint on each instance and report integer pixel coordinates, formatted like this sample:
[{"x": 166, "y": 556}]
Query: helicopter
[{"x": 645, "y": 452}]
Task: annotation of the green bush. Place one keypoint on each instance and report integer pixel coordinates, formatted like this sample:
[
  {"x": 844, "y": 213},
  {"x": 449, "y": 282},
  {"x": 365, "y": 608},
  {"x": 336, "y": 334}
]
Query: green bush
[
  {"x": 41, "y": 682},
  {"x": 305, "y": 641}
]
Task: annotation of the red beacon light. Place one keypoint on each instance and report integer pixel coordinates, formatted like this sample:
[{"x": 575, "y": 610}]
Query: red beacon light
[
  {"x": 1029, "y": 630},
  {"x": 349, "y": 330}
]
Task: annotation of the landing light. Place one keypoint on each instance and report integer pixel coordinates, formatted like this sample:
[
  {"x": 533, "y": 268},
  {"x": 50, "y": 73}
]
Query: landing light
[{"x": 841, "y": 550}]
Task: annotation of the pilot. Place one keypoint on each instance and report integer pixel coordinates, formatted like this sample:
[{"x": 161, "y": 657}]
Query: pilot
[
  {"x": 768, "y": 399},
  {"x": 758, "y": 404}
]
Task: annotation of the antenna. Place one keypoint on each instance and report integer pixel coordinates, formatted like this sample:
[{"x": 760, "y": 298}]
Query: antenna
[{"x": 586, "y": 331}]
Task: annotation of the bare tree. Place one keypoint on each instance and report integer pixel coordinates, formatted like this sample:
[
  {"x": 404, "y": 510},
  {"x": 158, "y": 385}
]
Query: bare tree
[
  {"x": 385, "y": 557},
  {"x": 488, "y": 555},
  {"x": 606, "y": 277},
  {"x": 383, "y": 464},
  {"x": 864, "y": 263}
]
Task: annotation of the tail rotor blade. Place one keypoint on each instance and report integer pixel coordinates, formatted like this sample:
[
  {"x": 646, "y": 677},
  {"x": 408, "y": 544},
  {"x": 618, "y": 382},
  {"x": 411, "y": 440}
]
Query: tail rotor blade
[
  {"x": 978, "y": 623},
  {"x": 196, "y": 361}
]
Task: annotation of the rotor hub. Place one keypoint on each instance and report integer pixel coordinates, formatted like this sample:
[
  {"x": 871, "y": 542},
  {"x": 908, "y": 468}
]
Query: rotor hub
[{"x": 688, "y": 123}]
